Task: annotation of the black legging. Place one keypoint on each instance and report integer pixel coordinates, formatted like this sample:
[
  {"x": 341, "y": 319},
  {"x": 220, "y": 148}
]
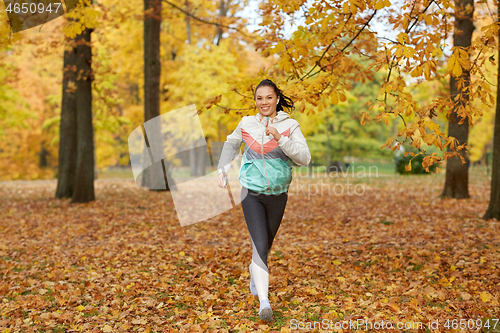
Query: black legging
[{"x": 263, "y": 215}]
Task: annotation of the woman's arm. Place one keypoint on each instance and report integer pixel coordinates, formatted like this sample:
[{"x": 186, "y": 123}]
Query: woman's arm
[
  {"x": 230, "y": 149},
  {"x": 296, "y": 147}
]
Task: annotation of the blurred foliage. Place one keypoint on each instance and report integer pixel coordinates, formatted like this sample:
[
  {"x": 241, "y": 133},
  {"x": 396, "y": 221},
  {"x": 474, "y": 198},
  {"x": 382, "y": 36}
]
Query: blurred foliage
[
  {"x": 340, "y": 124},
  {"x": 401, "y": 162},
  {"x": 339, "y": 105}
]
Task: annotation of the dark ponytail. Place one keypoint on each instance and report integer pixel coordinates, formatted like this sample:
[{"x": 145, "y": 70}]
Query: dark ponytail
[{"x": 285, "y": 102}]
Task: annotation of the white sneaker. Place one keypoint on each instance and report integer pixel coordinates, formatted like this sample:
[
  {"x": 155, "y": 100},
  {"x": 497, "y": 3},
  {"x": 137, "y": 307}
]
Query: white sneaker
[
  {"x": 265, "y": 311},
  {"x": 252, "y": 284}
]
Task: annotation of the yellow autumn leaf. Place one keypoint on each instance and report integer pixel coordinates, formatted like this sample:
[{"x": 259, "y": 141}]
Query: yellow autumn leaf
[
  {"x": 394, "y": 306},
  {"x": 345, "y": 8},
  {"x": 427, "y": 70},
  {"x": 205, "y": 316},
  {"x": 336, "y": 262},
  {"x": 408, "y": 110},
  {"x": 417, "y": 71},
  {"x": 312, "y": 291},
  {"x": 387, "y": 88},
  {"x": 379, "y": 5},
  {"x": 486, "y": 296},
  {"x": 408, "y": 167},
  {"x": 107, "y": 328},
  {"x": 451, "y": 62},
  {"x": 80, "y": 308},
  {"x": 342, "y": 97},
  {"x": 399, "y": 51},
  {"x": 403, "y": 38},
  {"x": 334, "y": 98},
  {"x": 457, "y": 69},
  {"x": 408, "y": 51}
]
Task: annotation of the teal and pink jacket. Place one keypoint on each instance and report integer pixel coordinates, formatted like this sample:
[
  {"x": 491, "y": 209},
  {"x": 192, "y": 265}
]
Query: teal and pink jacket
[{"x": 266, "y": 164}]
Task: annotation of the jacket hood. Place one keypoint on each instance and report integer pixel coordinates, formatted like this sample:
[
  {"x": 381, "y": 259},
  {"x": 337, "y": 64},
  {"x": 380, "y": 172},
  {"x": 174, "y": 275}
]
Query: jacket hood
[{"x": 280, "y": 116}]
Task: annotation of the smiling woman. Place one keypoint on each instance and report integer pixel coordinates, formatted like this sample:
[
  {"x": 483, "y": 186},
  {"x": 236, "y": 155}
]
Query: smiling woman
[
  {"x": 265, "y": 97},
  {"x": 269, "y": 99},
  {"x": 272, "y": 142}
]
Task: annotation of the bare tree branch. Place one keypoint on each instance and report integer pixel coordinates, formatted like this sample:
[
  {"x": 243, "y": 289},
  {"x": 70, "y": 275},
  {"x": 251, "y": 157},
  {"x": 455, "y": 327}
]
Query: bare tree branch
[{"x": 204, "y": 21}]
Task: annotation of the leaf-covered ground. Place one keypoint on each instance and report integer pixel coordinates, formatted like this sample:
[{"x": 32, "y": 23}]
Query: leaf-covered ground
[{"x": 123, "y": 263}]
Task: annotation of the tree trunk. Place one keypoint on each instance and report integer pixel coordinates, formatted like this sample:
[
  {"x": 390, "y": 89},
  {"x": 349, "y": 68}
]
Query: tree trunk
[
  {"x": 457, "y": 174},
  {"x": 188, "y": 23},
  {"x": 328, "y": 149},
  {"x": 223, "y": 8},
  {"x": 192, "y": 159},
  {"x": 493, "y": 210},
  {"x": 43, "y": 155},
  {"x": 194, "y": 152},
  {"x": 95, "y": 158},
  {"x": 153, "y": 177},
  {"x": 202, "y": 157},
  {"x": 84, "y": 181},
  {"x": 67, "y": 128}
]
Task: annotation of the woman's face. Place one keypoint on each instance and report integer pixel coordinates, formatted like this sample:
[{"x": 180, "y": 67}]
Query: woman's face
[{"x": 266, "y": 101}]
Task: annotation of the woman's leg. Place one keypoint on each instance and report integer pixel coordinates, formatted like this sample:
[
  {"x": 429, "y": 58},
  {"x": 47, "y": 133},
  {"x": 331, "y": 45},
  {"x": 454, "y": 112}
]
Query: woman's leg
[
  {"x": 255, "y": 217},
  {"x": 263, "y": 215},
  {"x": 275, "y": 208}
]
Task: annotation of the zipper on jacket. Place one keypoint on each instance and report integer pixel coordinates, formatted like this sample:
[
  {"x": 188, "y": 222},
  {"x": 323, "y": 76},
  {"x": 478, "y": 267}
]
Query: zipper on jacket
[{"x": 263, "y": 160}]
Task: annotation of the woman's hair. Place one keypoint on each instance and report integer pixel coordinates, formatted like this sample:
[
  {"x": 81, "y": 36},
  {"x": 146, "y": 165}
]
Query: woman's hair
[{"x": 284, "y": 101}]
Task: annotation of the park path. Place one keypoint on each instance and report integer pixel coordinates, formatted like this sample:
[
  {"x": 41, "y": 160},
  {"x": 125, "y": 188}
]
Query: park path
[{"x": 123, "y": 263}]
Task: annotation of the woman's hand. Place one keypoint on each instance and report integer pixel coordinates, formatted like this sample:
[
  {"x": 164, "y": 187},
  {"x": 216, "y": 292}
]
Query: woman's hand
[
  {"x": 220, "y": 179},
  {"x": 274, "y": 132}
]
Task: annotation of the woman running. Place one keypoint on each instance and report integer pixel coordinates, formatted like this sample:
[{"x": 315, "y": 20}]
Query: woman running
[{"x": 272, "y": 141}]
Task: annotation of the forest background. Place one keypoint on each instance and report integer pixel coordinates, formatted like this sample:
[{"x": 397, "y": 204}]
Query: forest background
[{"x": 194, "y": 69}]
